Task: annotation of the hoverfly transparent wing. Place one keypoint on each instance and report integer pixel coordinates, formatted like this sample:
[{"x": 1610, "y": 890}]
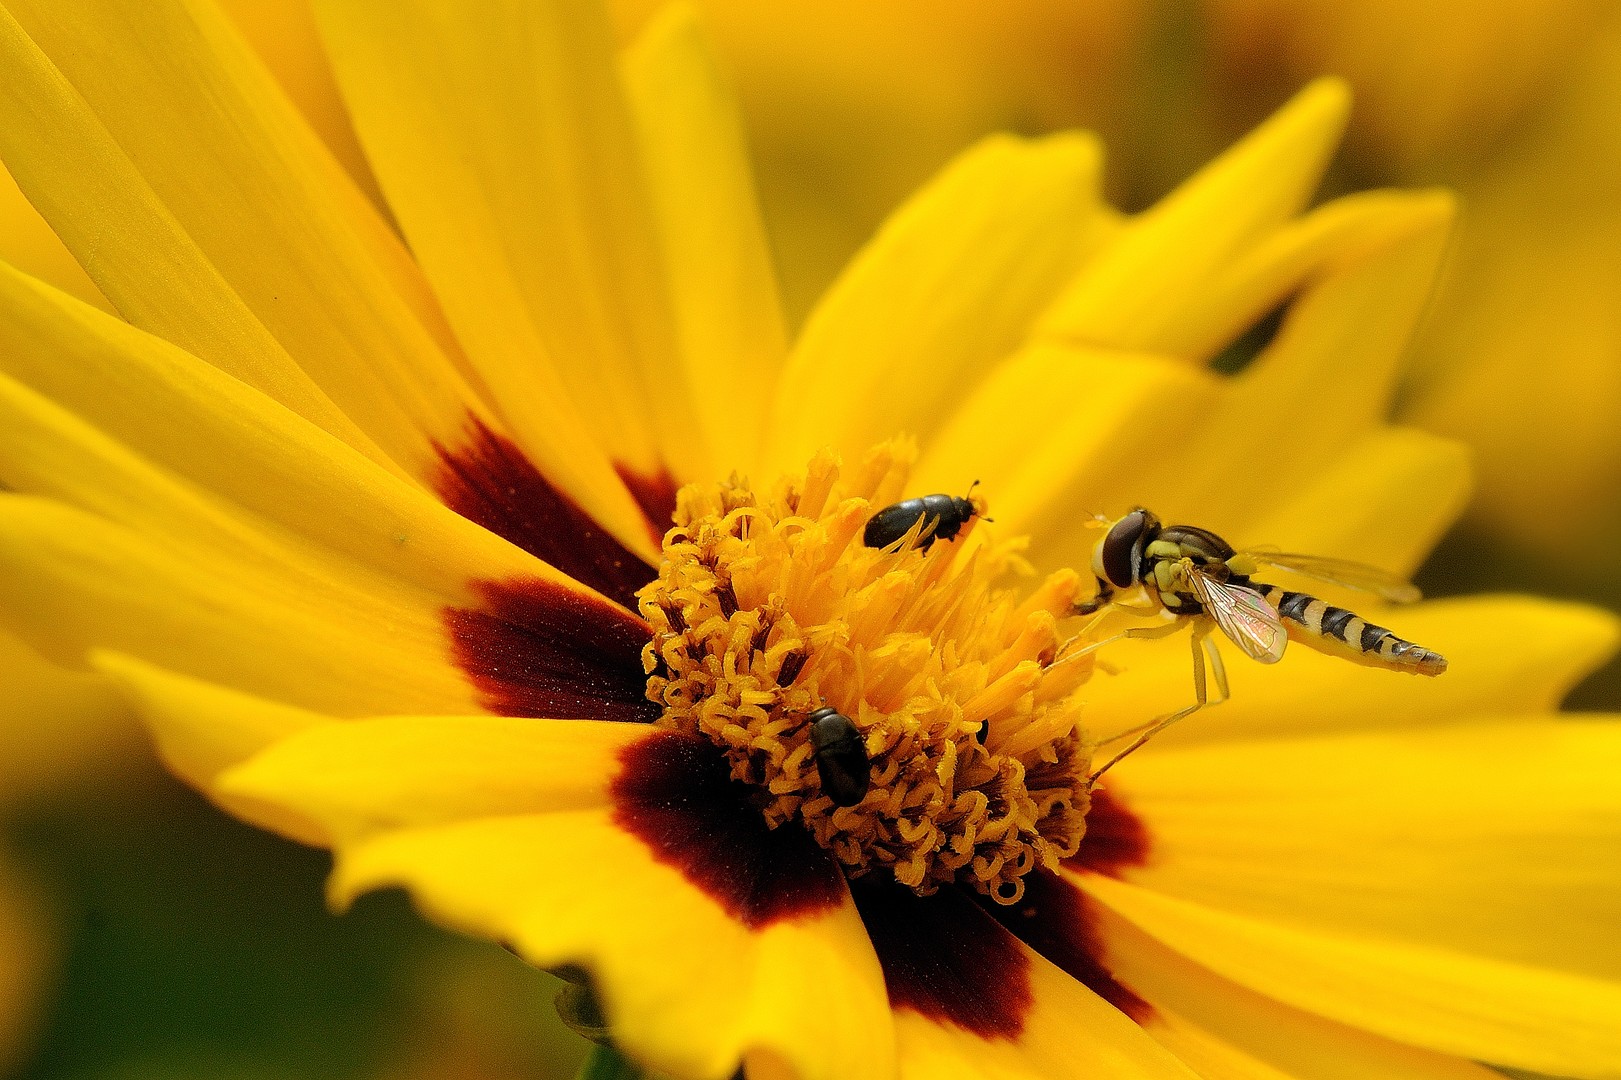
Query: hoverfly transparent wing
[
  {"x": 1343, "y": 572},
  {"x": 1244, "y": 616}
]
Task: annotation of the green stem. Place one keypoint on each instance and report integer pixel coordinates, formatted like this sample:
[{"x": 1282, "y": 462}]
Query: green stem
[{"x": 606, "y": 1063}]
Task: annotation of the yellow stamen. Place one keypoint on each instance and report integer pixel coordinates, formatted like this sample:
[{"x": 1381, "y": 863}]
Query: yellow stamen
[{"x": 769, "y": 608}]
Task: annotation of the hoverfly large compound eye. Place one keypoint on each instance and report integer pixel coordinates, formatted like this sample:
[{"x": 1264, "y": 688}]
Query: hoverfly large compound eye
[{"x": 1123, "y": 547}]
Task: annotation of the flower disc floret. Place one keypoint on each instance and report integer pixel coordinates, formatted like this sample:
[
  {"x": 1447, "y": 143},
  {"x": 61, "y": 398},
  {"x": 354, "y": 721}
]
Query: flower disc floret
[{"x": 769, "y": 608}]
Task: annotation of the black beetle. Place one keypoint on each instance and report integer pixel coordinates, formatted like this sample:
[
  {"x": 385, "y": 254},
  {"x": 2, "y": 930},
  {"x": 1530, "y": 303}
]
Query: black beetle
[
  {"x": 841, "y": 756},
  {"x": 946, "y": 515}
]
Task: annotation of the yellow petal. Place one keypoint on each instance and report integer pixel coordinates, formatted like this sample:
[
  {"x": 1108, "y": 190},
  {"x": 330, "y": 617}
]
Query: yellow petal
[
  {"x": 200, "y": 425},
  {"x": 1209, "y": 1023},
  {"x": 1287, "y": 261},
  {"x": 728, "y": 315},
  {"x": 28, "y": 243},
  {"x": 1209, "y": 1057},
  {"x": 57, "y": 726},
  {"x": 1475, "y": 830},
  {"x": 1194, "y": 1008},
  {"x": 501, "y": 137},
  {"x": 1456, "y": 1004},
  {"x": 227, "y": 156},
  {"x": 1056, "y": 432},
  {"x": 1386, "y": 502},
  {"x": 1399, "y": 881},
  {"x": 1337, "y": 355},
  {"x": 1130, "y": 295},
  {"x": 1505, "y": 654},
  {"x": 46, "y": 450},
  {"x": 1348, "y": 334},
  {"x": 131, "y": 245},
  {"x": 1286, "y": 420},
  {"x": 946, "y": 287},
  {"x": 1072, "y": 1041},
  {"x": 286, "y": 38},
  {"x": 685, "y": 987},
  {"x": 178, "y": 579},
  {"x": 970, "y": 999},
  {"x": 700, "y": 927},
  {"x": 367, "y": 777},
  {"x": 74, "y": 582},
  {"x": 530, "y": 632},
  {"x": 234, "y": 166},
  {"x": 529, "y": 639},
  {"x": 202, "y": 728}
]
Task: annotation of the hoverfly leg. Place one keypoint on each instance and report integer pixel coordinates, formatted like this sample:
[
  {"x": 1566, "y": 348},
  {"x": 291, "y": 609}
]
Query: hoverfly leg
[
  {"x": 1218, "y": 670},
  {"x": 1140, "y": 633},
  {"x": 1106, "y": 598},
  {"x": 1105, "y": 594},
  {"x": 1201, "y": 634}
]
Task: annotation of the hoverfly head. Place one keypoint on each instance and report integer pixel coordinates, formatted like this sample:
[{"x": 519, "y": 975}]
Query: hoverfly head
[{"x": 1119, "y": 557}]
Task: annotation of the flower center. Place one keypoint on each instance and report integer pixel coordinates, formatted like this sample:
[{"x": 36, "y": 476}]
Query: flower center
[{"x": 769, "y": 609}]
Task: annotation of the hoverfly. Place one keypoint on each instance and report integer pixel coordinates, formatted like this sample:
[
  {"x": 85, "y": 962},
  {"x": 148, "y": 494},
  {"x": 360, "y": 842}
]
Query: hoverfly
[{"x": 1194, "y": 574}]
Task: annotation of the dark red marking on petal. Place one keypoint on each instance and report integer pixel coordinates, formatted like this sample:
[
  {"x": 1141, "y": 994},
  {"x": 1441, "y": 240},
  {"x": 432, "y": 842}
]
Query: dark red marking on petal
[
  {"x": 676, "y": 794},
  {"x": 946, "y": 959},
  {"x": 1059, "y": 921},
  {"x": 536, "y": 648},
  {"x": 1115, "y": 837},
  {"x": 655, "y": 494},
  {"x": 491, "y": 481}
]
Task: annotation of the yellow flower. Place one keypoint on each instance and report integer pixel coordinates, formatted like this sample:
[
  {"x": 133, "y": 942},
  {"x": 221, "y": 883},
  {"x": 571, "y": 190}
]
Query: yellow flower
[
  {"x": 1523, "y": 358},
  {"x": 564, "y": 728}
]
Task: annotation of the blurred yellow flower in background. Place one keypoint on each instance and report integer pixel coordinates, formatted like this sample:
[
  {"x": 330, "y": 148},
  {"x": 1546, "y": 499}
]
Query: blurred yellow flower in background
[
  {"x": 1437, "y": 84},
  {"x": 1523, "y": 357},
  {"x": 850, "y": 107}
]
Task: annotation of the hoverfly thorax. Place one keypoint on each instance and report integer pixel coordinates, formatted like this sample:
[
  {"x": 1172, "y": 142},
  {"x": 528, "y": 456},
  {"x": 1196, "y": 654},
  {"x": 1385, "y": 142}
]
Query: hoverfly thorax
[{"x": 1207, "y": 550}]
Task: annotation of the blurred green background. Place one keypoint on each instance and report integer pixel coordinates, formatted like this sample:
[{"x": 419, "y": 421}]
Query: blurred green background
[{"x": 192, "y": 945}]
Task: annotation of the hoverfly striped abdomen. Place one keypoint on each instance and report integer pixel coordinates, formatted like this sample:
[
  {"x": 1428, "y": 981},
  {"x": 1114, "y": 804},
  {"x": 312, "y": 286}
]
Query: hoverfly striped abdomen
[{"x": 1337, "y": 630}]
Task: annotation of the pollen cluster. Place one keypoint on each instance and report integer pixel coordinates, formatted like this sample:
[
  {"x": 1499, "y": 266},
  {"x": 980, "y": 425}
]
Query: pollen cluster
[{"x": 769, "y": 607}]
